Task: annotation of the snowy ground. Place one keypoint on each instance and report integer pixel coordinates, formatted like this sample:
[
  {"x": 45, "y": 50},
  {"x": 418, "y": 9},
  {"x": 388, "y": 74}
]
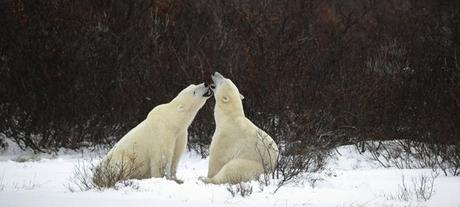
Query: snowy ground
[{"x": 349, "y": 180}]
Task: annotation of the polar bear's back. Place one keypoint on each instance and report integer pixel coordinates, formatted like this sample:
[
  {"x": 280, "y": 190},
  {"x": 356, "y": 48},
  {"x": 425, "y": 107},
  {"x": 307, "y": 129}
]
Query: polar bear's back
[{"x": 131, "y": 141}]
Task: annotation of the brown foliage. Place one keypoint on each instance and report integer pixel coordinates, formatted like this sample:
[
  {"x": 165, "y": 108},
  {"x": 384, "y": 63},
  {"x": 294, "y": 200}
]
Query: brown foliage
[{"x": 320, "y": 73}]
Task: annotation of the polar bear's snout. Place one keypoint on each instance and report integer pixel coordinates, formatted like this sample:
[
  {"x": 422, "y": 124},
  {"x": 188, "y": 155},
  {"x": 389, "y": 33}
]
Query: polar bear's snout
[
  {"x": 217, "y": 78},
  {"x": 203, "y": 90}
]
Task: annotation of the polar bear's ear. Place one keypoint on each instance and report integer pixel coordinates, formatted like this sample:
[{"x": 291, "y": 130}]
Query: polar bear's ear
[
  {"x": 241, "y": 96},
  {"x": 225, "y": 99},
  {"x": 180, "y": 108}
]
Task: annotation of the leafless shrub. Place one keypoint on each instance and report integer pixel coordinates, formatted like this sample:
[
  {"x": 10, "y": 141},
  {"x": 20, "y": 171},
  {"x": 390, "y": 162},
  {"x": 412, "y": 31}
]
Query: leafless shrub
[
  {"x": 449, "y": 161},
  {"x": 88, "y": 175},
  {"x": 420, "y": 189},
  {"x": 200, "y": 148},
  {"x": 3, "y": 143},
  {"x": 389, "y": 59},
  {"x": 200, "y": 131},
  {"x": 243, "y": 189},
  {"x": 404, "y": 193},
  {"x": 424, "y": 186},
  {"x": 107, "y": 174},
  {"x": 291, "y": 167},
  {"x": 82, "y": 177},
  {"x": 268, "y": 154},
  {"x": 401, "y": 154},
  {"x": 413, "y": 154},
  {"x": 293, "y": 162}
]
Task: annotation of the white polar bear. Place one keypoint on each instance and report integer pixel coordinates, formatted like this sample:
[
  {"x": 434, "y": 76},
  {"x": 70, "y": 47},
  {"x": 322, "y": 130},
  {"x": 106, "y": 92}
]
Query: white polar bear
[
  {"x": 239, "y": 151},
  {"x": 153, "y": 148}
]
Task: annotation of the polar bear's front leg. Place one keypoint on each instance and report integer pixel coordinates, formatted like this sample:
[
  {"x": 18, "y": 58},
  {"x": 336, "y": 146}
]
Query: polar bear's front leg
[
  {"x": 179, "y": 149},
  {"x": 165, "y": 166},
  {"x": 160, "y": 166},
  {"x": 215, "y": 164}
]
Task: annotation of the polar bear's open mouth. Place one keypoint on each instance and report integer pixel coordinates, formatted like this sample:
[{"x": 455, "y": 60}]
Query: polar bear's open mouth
[
  {"x": 203, "y": 90},
  {"x": 212, "y": 86},
  {"x": 208, "y": 93}
]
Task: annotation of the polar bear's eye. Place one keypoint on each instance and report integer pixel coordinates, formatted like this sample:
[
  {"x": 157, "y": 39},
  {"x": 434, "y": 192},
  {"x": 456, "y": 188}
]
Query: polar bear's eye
[{"x": 225, "y": 99}]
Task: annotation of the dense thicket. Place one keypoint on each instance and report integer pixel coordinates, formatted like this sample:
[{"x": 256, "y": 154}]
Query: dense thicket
[{"x": 313, "y": 72}]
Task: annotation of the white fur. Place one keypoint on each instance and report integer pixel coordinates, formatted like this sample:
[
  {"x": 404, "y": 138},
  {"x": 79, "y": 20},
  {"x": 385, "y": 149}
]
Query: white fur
[
  {"x": 240, "y": 151},
  {"x": 153, "y": 148}
]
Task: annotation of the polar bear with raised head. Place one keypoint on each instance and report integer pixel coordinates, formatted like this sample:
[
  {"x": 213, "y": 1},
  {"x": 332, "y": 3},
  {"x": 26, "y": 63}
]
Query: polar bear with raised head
[
  {"x": 153, "y": 148},
  {"x": 239, "y": 151}
]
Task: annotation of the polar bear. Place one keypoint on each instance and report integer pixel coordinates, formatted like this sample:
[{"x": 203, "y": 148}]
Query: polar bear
[
  {"x": 239, "y": 151},
  {"x": 153, "y": 148}
]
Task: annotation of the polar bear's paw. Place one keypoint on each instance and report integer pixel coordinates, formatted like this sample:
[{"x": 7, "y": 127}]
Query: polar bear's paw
[
  {"x": 177, "y": 180},
  {"x": 204, "y": 179}
]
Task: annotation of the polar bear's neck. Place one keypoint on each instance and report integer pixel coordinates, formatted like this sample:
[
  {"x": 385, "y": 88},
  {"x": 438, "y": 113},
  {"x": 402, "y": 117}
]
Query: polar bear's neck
[
  {"x": 222, "y": 116},
  {"x": 183, "y": 119},
  {"x": 178, "y": 120}
]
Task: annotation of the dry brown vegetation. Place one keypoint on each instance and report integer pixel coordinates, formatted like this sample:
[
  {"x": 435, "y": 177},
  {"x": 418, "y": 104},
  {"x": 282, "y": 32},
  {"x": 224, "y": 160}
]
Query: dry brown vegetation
[{"x": 89, "y": 175}]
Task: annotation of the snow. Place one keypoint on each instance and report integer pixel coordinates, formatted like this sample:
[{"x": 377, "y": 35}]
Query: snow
[{"x": 350, "y": 179}]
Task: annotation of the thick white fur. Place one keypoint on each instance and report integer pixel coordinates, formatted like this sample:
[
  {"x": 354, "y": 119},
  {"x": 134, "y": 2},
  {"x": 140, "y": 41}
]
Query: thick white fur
[
  {"x": 153, "y": 148},
  {"x": 240, "y": 151}
]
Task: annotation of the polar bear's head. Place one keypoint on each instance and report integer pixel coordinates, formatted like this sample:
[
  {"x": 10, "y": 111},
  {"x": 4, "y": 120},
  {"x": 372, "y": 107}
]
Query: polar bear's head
[
  {"x": 192, "y": 98},
  {"x": 228, "y": 97}
]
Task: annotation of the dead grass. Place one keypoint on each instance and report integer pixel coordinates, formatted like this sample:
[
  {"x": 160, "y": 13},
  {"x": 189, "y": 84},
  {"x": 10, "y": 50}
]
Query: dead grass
[
  {"x": 420, "y": 188},
  {"x": 88, "y": 175},
  {"x": 242, "y": 189}
]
